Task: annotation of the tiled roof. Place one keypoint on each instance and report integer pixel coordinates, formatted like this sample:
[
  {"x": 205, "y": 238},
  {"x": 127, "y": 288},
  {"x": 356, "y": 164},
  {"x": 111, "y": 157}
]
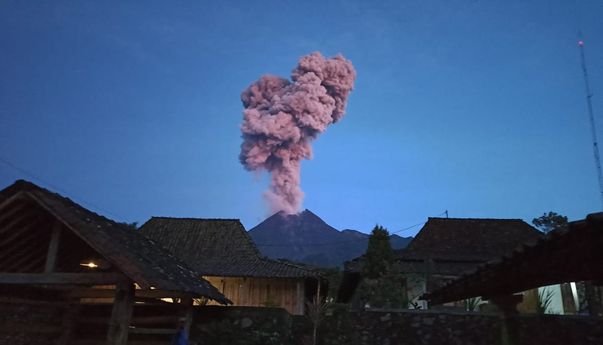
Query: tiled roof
[
  {"x": 468, "y": 239},
  {"x": 561, "y": 256},
  {"x": 218, "y": 247},
  {"x": 139, "y": 258}
]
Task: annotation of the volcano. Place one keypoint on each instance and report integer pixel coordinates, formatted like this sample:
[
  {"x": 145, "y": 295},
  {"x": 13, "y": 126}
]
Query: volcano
[{"x": 305, "y": 237}]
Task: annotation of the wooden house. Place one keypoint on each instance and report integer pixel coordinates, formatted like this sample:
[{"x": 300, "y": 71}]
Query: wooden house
[
  {"x": 563, "y": 256},
  {"x": 446, "y": 248},
  {"x": 69, "y": 276},
  {"x": 222, "y": 252}
]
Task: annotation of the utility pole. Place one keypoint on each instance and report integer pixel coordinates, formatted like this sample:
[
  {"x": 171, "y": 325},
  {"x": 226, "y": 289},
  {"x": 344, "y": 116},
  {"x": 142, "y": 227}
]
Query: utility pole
[{"x": 591, "y": 116}]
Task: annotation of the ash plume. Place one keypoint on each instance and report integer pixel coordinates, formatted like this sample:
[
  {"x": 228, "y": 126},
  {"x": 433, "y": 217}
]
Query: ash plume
[{"x": 282, "y": 117}]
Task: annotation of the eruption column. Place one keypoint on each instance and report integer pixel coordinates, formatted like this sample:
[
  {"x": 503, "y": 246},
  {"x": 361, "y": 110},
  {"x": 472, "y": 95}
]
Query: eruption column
[{"x": 282, "y": 117}]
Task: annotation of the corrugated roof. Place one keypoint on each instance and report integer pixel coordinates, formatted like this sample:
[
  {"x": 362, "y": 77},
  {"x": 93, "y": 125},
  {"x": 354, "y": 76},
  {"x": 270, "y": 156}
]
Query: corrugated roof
[
  {"x": 218, "y": 247},
  {"x": 139, "y": 258}
]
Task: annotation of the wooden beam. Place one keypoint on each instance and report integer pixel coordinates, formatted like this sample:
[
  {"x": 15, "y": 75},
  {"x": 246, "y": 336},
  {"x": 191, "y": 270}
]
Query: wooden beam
[
  {"x": 8, "y": 236},
  {"x": 299, "y": 298},
  {"x": 61, "y": 278},
  {"x": 53, "y": 247},
  {"x": 23, "y": 262},
  {"x": 108, "y": 293},
  {"x": 121, "y": 314},
  {"x": 9, "y": 212},
  {"x": 34, "y": 265},
  {"x": 9, "y": 250},
  {"x": 19, "y": 195}
]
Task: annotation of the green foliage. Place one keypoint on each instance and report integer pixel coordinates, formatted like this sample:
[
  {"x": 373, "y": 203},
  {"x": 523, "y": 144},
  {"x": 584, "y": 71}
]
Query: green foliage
[
  {"x": 382, "y": 285},
  {"x": 133, "y": 225},
  {"x": 333, "y": 276},
  {"x": 545, "y": 298},
  {"x": 379, "y": 257},
  {"x": 472, "y": 304},
  {"x": 550, "y": 222},
  {"x": 387, "y": 291}
]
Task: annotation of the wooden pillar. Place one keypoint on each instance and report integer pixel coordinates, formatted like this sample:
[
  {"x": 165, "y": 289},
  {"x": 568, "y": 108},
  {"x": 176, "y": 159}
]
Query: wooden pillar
[
  {"x": 507, "y": 304},
  {"x": 300, "y": 298},
  {"x": 187, "y": 314},
  {"x": 53, "y": 247},
  {"x": 121, "y": 313}
]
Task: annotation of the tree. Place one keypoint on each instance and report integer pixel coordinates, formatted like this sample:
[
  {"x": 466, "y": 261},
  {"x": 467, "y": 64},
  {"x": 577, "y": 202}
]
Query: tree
[
  {"x": 133, "y": 225},
  {"x": 379, "y": 257},
  {"x": 382, "y": 285},
  {"x": 550, "y": 222}
]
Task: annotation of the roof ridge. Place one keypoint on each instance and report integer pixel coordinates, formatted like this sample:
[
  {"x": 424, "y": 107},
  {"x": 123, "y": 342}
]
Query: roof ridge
[
  {"x": 28, "y": 186},
  {"x": 197, "y": 218},
  {"x": 288, "y": 263},
  {"x": 496, "y": 219}
]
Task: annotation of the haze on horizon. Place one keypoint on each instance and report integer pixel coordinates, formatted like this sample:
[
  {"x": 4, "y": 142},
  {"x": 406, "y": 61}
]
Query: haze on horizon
[{"x": 473, "y": 107}]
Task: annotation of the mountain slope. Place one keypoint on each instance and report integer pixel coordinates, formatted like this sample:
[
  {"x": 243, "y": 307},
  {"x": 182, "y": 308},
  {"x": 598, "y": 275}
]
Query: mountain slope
[{"x": 305, "y": 237}]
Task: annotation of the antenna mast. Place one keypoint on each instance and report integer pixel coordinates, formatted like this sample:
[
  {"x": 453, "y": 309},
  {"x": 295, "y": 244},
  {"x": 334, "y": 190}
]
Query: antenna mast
[{"x": 591, "y": 116}]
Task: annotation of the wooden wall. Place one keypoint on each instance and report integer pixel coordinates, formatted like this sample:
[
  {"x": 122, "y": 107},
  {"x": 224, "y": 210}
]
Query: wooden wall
[{"x": 262, "y": 292}]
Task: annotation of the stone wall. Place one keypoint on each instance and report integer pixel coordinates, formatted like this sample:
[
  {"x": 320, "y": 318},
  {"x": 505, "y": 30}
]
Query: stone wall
[
  {"x": 215, "y": 325},
  {"x": 409, "y": 328},
  {"x": 40, "y": 324},
  {"x": 255, "y": 326},
  {"x": 562, "y": 330},
  {"x": 26, "y": 324}
]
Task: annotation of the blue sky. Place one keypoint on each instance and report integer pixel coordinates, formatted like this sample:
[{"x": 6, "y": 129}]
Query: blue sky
[{"x": 475, "y": 107}]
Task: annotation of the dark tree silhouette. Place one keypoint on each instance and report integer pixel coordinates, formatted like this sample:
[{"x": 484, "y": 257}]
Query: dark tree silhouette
[{"x": 550, "y": 222}]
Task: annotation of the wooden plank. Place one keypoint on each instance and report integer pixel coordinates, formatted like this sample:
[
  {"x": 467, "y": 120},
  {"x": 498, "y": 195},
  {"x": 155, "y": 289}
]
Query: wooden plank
[
  {"x": 121, "y": 314},
  {"x": 93, "y": 320},
  {"x": 69, "y": 320},
  {"x": 82, "y": 292},
  {"x": 53, "y": 247},
  {"x": 22, "y": 261},
  {"x": 34, "y": 265},
  {"x": 61, "y": 278},
  {"x": 9, "y": 327},
  {"x": 18, "y": 245},
  {"x": 153, "y": 320},
  {"x": 11, "y": 235},
  {"x": 23, "y": 301},
  {"x": 137, "y": 330},
  {"x": 18, "y": 196},
  {"x": 9, "y": 212}
]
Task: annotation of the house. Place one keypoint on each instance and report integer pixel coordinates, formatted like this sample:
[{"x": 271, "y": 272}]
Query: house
[
  {"x": 222, "y": 252},
  {"x": 445, "y": 249},
  {"x": 58, "y": 258},
  {"x": 566, "y": 256}
]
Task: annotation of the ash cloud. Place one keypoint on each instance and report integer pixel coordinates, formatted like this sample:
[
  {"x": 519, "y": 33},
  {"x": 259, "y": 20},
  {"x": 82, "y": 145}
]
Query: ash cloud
[{"x": 282, "y": 117}]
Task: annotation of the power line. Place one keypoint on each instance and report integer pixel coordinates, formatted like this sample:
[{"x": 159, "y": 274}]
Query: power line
[
  {"x": 56, "y": 188},
  {"x": 343, "y": 242}
]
